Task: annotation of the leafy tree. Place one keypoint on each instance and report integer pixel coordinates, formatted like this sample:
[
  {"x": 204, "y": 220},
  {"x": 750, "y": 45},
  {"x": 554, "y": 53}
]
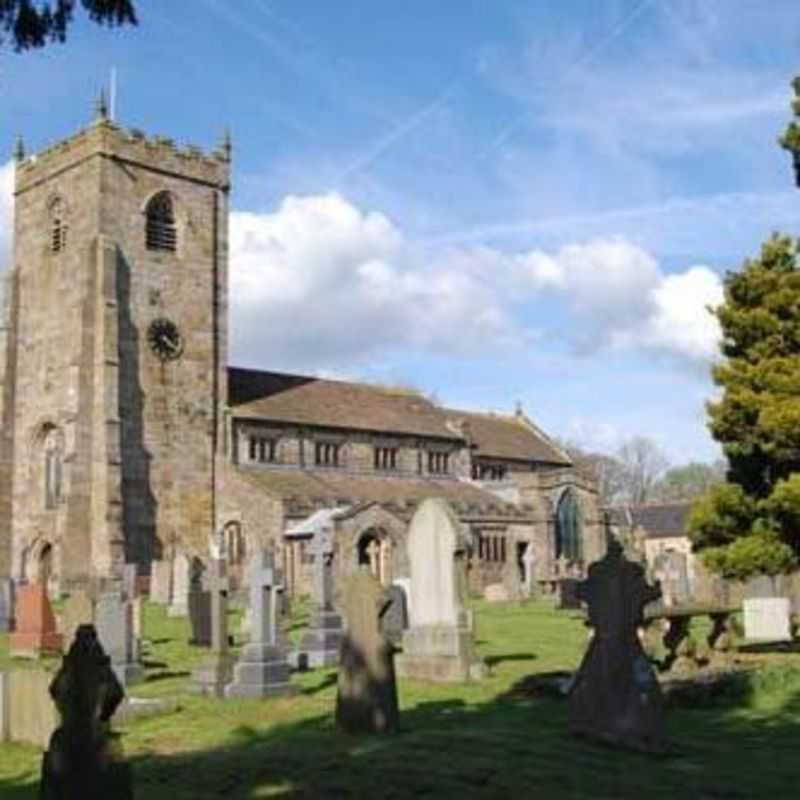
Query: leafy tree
[
  {"x": 752, "y": 524},
  {"x": 643, "y": 464},
  {"x": 30, "y": 24},
  {"x": 688, "y": 481}
]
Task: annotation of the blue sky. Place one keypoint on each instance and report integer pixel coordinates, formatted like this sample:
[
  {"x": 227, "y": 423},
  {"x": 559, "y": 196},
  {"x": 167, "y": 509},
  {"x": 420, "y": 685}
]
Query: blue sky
[{"x": 492, "y": 201}]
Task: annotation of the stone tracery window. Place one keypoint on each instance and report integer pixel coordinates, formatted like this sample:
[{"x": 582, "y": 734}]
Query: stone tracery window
[
  {"x": 58, "y": 225},
  {"x": 568, "y": 527},
  {"x": 161, "y": 232}
]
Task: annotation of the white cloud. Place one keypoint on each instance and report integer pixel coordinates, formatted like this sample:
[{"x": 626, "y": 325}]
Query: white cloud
[
  {"x": 320, "y": 283},
  {"x": 6, "y": 212}
]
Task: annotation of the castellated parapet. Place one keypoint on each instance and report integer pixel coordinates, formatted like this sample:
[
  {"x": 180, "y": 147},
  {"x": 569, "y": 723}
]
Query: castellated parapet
[{"x": 108, "y": 447}]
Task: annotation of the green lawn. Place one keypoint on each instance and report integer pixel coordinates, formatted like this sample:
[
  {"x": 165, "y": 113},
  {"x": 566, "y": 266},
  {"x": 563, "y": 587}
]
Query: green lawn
[{"x": 480, "y": 740}]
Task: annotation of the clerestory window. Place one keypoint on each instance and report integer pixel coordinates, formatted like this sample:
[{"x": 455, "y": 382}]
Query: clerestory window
[
  {"x": 385, "y": 458},
  {"x": 263, "y": 449},
  {"x": 161, "y": 233},
  {"x": 438, "y": 463},
  {"x": 326, "y": 454}
]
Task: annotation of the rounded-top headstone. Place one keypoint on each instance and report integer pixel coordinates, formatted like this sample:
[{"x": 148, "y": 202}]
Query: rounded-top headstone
[{"x": 433, "y": 536}]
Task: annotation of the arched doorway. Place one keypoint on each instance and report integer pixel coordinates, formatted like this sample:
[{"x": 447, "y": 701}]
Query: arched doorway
[
  {"x": 373, "y": 551},
  {"x": 568, "y": 528}
]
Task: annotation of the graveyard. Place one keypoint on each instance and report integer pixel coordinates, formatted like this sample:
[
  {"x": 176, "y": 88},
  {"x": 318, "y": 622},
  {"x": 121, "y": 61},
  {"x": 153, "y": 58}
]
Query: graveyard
[{"x": 491, "y": 738}]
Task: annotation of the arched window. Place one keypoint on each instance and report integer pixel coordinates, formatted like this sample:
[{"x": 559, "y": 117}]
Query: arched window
[
  {"x": 58, "y": 225},
  {"x": 568, "y": 527},
  {"x": 235, "y": 545},
  {"x": 161, "y": 233},
  {"x": 53, "y": 468}
]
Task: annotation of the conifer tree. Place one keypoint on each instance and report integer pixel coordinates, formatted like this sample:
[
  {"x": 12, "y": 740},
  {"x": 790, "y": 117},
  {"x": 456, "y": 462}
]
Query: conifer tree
[{"x": 751, "y": 523}]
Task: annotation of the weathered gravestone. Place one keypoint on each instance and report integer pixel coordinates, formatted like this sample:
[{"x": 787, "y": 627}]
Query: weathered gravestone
[
  {"x": 319, "y": 646},
  {"x": 263, "y": 668},
  {"x": 78, "y": 610},
  {"x": 114, "y": 624},
  {"x": 199, "y": 605},
  {"x": 568, "y": 593},
  {"x": 767, "y": 619},
  {"x": 6, "y": 605},
  {"x": 215, "y": 672},
  {"x": 438, "y": 644},
  {"x": 366, "y": 700},
  {"x": 130, "y": 581},
  {"x": 529, "y": 571},
  {"x": 394, "y": 619},
  {"x": 81, "y": 761},
  {"x": 181, "y": 581},
  {"x": 161, "y": 582},
  {"x": 671, "y": 569},
  {"x": 615, "y": 696},
  {"x": 35, "y": 627}
]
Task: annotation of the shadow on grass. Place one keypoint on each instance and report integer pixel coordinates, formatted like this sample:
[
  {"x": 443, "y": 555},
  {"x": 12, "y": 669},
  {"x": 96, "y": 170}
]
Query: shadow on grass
[
  {"x": 514, "y": 744},
  {"x": 769, "y": 647},
  {"x": 166, "y": 675},
  {"x": 328, "y": 681},
  {"x": 493, "y": 661}
]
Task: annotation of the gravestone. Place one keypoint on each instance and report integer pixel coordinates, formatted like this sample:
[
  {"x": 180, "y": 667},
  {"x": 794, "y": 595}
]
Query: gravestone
[
  {"x": 496, "y": 593},
  {"x": 114, "y": 623},
  {"x": 767, "y": 619},
  {"x": 215, "y": 672},
  {"x": 568, "y": 594},
  {"x": 438, "y": 644},
  {"x": 319, "y": 646},
  {"x": 81, "y": 761},
  {"x": 181, "y": 581},
  {"x": 615, "y": 697},
  {"x": 130, "y": 581},
  {"x": 6, "y": 605},
  {"x": 200, "y": 617},
  {"x": 263, "y": 668},
  {"x": 529, "y": 568},
  {"x": 395, "y": 618},
  {"x": 672, "y": 571},
  {"x": 78, "y": 610},
  {"x": 161, "y": 582},
  {"x": 35, "y": 626},
  {"x": 366, "y": 699}
]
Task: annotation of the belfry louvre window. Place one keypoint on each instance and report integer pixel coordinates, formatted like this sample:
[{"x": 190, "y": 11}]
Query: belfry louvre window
[
  {"x": 326, "y": 454},
  {"x": 160, "y": 233},
  {"x": 263, "y": 449},
  {"x": 385, "y": 458},
  {"x": 58, "y": 226}
]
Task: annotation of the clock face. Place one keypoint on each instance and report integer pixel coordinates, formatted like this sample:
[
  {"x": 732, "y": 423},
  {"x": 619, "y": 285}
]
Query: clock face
[{"x": 165, "y": 339}]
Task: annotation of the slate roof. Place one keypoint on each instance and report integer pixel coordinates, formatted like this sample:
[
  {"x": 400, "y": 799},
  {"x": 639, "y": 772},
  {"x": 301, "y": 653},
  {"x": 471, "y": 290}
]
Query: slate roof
[
  {"x": 301, "y": 488},
  {"x": 658, "y": 520},
  {"x": 305, "y": 400},
  {"x": 316, "y": 401},
  {"x": 508, "y": 437}
]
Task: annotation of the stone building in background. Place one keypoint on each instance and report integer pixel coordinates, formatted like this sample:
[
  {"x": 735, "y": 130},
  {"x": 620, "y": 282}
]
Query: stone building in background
[{"x": 126, "y": 437}]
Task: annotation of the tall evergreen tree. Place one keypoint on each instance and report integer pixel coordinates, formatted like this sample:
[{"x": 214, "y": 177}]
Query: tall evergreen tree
[{"x": 751, "y": 524}]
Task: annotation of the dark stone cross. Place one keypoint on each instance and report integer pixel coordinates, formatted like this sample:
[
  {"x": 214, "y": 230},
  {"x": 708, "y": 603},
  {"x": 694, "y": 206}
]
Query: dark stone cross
[
  {"x": 80, "y": 760},
  {"x": 615, "y": 696}
]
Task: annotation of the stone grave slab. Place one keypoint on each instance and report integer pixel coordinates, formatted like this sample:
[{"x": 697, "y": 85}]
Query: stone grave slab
[
  {"x": 114, "y": 624},
  {"x": 161, "y": 582},
  {"x": 394, "y": 620},
  {"x": 181, "y": 583},
  {"x": 438, "y": 644},
  {"x": 568, "y": 594},
  {"x": 767, "y": 619},
  {"x": 35, "y": 628},
  {"x": 214, "y": 674},
  {"x": 200, "y": 617},
  {"x": 6, "y": 605},
  {"x": 366, "y": 698}
]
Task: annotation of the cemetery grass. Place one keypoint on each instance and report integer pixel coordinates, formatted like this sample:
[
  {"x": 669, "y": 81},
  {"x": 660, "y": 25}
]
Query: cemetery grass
[{"x": 493, "y": 739}]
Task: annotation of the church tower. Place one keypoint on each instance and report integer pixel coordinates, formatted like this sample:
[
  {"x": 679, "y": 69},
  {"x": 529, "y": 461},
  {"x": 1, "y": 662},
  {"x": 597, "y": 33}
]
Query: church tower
[{"x": 115, "y": 353}]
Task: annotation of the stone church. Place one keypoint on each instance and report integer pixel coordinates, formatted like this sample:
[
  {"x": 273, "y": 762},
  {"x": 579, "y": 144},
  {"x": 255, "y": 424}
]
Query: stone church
[{"x": 127, "y": 437}]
